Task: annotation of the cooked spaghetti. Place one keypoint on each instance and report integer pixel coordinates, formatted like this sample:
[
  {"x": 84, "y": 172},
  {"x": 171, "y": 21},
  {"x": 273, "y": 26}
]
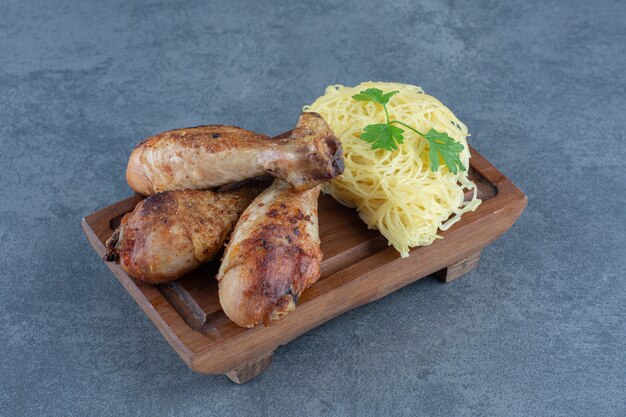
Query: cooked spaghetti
[{"x": 395, "y": 191}]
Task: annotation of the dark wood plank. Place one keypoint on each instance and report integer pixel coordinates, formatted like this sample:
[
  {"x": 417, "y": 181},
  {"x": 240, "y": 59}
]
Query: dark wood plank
[
  {"x": 250, "y": 370},
  {"x": 457, "y": 270}
]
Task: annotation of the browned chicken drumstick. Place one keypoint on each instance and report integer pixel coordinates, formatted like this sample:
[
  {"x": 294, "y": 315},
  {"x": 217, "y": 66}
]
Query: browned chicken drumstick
[
  {"x": 273, "y": 255},
  {"x": 171, "y": 233},
  {"x": 210, "y": 156}
]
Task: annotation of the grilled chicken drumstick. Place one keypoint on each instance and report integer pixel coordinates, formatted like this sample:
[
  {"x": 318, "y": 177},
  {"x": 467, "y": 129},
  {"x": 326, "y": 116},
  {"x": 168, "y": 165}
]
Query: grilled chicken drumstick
[
  {"x": 210, "y": 156},
  {"x": 171, "y": 233},
  {"x": 273, "y": 255}
]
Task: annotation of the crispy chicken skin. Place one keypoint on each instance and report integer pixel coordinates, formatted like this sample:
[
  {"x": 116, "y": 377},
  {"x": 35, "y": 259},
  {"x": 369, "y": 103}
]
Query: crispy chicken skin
[
  {"x": 170, "y": 233},
  {"x": 210, "y": 156},
  {"x": 273, "y": 255}
]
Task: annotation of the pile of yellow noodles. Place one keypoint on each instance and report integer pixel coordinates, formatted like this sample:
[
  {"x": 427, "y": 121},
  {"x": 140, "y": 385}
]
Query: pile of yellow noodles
[{"x": 395, "y": 191}]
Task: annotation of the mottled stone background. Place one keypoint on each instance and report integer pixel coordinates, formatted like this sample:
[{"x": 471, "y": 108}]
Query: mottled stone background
[{"x": 537, "y": 329}]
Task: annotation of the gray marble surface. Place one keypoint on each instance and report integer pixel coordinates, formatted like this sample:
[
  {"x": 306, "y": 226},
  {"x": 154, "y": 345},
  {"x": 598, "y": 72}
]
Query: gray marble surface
[{"x": 537, "y": 329}]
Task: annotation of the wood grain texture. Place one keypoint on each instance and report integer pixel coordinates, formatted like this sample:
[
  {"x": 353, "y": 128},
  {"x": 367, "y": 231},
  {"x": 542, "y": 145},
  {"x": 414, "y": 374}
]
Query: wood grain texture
[
  {"x": 457, "y": 270},
  {"x": 358, "y": 267},
  {"x": 250, "y": 370}
]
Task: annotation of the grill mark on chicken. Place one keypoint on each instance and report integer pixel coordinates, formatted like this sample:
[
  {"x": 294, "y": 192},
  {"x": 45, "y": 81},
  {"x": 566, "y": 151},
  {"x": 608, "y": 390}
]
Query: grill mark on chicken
[
  {"x": 210, "y": 156},
  {"x": 160, "y": 203},
  {"x": 171, "y": 233},
  {"x": 273, "y": 256}
]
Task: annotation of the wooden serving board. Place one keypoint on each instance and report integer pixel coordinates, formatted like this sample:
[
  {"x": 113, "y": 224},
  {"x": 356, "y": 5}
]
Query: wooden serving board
[{"x": 358, "y": 267}]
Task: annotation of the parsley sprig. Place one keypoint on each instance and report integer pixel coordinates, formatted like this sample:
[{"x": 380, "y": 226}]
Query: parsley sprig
[{"x": 387, "y": 136}]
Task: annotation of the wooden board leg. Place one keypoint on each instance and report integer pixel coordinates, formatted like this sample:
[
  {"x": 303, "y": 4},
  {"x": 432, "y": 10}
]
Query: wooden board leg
[
  {"x": 251, "y": 370},
  {"x": 460, "y": 268}
]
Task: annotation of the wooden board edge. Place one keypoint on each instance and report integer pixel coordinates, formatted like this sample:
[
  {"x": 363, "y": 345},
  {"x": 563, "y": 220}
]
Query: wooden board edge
[
  {"x": 140, "y": 298},
  {"x": 509, "y": 197},
  {"x": 379, "y": 268}
]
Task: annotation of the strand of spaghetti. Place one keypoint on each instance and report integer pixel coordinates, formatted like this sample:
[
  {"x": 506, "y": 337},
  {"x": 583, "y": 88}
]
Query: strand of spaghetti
[{"x": 396, "y": 192}]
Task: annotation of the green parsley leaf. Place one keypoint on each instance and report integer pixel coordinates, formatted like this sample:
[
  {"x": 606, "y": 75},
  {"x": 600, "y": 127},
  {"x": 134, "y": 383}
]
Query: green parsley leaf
[
  {"x": 383, "y": 136},
  {"x": 376, "y": 95},
  {"x": 386, "y": 136},
  {"x": 444, "y": 147}
]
